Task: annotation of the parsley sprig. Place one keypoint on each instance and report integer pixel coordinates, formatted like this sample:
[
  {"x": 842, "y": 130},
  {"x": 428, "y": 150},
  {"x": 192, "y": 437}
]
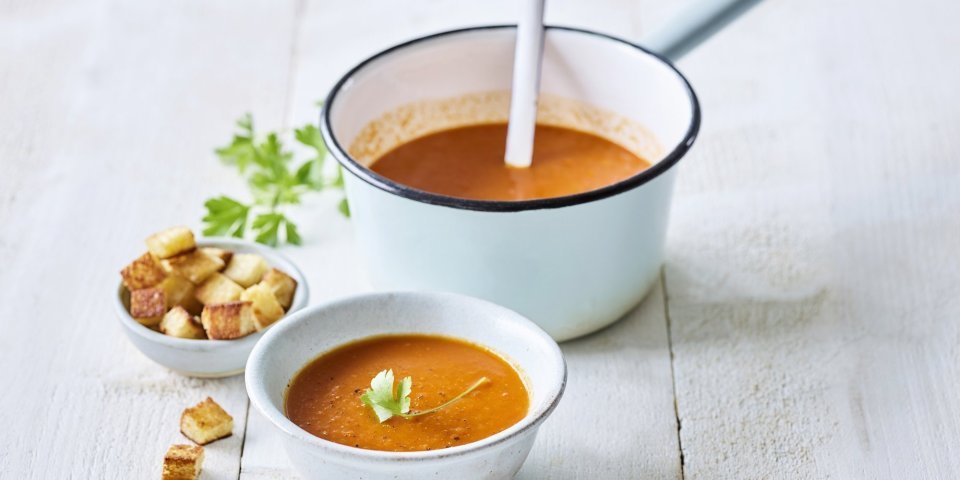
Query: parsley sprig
[
  {"x": 274, "y": 183},
  {"x": 388, "y": 402}
]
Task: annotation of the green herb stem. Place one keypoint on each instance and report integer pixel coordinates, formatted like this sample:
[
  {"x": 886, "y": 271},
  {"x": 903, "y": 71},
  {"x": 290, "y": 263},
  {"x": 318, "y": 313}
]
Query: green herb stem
[{"x": 448, "y": 402}]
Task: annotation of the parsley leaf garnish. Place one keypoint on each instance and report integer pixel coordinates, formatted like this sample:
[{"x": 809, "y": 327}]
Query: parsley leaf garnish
[
  {"x": 382, "y": 398},
  {"x": 274, "y": 183},
  {"x": 241, "y": 150},
  {"x": 387, "y": 402},
  {"x": 225, "y": 217}
]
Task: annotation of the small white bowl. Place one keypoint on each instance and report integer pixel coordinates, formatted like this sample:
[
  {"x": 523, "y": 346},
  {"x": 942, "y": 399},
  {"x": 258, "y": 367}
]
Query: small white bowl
[
  {"x": 284, "y": 350},
  {"x": 210, "y": 358}
]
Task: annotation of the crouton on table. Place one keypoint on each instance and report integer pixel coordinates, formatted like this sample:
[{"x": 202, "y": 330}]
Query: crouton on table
[
  {"x": 206, "y": 422},
  {"x": 182, "y": 462}
]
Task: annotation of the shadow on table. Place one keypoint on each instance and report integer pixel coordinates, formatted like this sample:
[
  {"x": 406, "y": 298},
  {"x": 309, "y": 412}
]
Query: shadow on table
[{"x": 617, "y": 417}]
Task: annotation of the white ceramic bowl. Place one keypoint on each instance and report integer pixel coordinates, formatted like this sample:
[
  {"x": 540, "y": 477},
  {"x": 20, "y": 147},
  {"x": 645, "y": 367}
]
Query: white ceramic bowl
[
  {"x": 209, "y": 358},
  {"x": 571, "y": 264},
  {"x": 284, "y": 350}
]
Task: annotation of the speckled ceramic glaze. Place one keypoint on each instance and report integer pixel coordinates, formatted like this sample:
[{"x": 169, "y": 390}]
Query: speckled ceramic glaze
[
  {"x": 285, "y": 349},
  {"x": 209, "y": 358}
]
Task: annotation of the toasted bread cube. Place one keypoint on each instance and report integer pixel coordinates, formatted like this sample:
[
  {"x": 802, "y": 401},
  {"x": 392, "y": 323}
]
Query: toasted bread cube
[
  {"x": 171, "y": 242},
  {"x": 179, "y": 323},
  {"x": 246, "y": 269},
  {"x": 220, "y": 253},
  {"x": 148, "y": 305},
  {"x": 218, "y": 289},
  {"x": 195, "y": 266},
  {"x": 226, "y": 321},
  {"x": 283, "y": 286},
  {"x": 266, "y": 308},
  {"x": 180, "y": 292},
  {"x": 182, "y": 462},
  {"x": 206, "y": 422},
  {"x": 144, "y": 272}
]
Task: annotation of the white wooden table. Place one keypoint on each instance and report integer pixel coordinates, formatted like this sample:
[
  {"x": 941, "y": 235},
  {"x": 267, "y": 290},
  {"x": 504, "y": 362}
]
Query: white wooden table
[{"x": 807, "y": 325}]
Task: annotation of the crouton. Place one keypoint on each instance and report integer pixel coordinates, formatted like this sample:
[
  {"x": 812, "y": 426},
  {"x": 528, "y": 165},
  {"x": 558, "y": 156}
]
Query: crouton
[
  {"x": 227, "y": 321},
  {"x": 144, "y": 272},
  {"x": 148, "y": 305},
  {"x": 171, "y": 242},
  {"x": 206, "y": 422},
  {"x": 246, "y": 269},
  {"x": 283, "y": 286},
  {"x": 220, "y": 253},
  {"x": 266, "y": 308},
  {"x": 182, "y": 462},
  {"x": 218, "y": 289},
  {"x": 179, "y": 323},
  {"x": 195, "y": 266},
  {"x": 180, "y": 292}
]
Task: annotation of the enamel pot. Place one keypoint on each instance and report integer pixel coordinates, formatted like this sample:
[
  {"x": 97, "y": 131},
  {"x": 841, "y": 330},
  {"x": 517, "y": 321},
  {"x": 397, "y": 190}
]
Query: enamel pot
[{"x": 572, "y": 264}]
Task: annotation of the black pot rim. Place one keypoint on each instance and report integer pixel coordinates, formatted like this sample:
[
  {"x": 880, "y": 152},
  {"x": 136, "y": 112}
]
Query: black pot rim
[{"x": 390, "y": 186}]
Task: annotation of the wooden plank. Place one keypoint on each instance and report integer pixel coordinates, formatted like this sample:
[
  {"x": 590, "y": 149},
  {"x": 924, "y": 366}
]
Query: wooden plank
[
  {"x": 812, "y": 274},
  {"x": 617, "y": 416},
  {"x": 629, "y": 360},
  {"x": 109, "y": 114}
]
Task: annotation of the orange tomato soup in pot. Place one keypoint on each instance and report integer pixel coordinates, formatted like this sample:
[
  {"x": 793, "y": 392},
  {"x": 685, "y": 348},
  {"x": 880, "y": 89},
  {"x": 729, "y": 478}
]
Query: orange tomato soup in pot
[
  {"x": 324, "y": 398},
  {"x": 467, "y": 162}
]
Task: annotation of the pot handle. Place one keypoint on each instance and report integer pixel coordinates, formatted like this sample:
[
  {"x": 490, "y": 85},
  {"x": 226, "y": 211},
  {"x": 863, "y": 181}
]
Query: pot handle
[{"x": 694, "y": 25}]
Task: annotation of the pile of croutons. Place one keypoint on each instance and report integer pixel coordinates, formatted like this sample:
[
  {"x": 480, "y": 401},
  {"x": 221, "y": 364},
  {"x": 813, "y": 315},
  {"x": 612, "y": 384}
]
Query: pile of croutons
[
  {"x": 203, "y": 423},
  {"x": 234, "y": 294}
]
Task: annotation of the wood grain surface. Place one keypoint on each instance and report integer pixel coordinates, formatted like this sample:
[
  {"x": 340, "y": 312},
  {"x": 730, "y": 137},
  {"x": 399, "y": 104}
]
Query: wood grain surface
[{"x": 807, "y": 325}]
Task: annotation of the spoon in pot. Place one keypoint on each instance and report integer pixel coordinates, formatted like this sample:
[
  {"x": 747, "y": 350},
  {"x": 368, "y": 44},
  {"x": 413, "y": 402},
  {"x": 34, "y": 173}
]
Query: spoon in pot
[
  {"x": 698, "y": 22},
  {"x": 527, "y": 60}
]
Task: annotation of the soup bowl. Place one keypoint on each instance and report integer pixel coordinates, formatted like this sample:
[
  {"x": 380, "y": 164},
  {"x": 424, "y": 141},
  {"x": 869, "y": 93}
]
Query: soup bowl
[
  {"x": 572, "y": 264},
  {"x": 209, "y": 358},
  {"x": 288, "y": 347}
]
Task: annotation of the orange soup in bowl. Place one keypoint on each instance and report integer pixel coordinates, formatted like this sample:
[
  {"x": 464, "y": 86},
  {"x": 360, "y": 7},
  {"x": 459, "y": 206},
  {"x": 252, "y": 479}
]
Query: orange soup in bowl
[{"x": 331, "y": 396}]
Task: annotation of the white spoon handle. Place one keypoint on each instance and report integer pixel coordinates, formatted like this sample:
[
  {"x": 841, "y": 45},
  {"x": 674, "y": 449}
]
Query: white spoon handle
[
  {"x": 695, "y": 24},
  {"x": 526, "y": 85}
]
